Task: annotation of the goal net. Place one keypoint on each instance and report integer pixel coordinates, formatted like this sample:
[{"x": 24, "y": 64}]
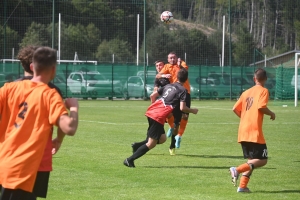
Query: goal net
[{"x": 287, "y": 83}]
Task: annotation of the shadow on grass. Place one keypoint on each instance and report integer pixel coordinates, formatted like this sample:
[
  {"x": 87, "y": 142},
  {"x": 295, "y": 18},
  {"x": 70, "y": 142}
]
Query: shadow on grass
[
  {"x": 281, "y": 191},
  {"x": 201, "y": 156},
  {"x": 186, "y": 167},
  {"x": 212, "y": 156}
]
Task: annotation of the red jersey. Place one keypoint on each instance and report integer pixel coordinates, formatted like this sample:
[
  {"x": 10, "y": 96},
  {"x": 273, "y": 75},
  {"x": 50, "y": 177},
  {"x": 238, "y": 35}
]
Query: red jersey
[{"x": 171, "y": 96}]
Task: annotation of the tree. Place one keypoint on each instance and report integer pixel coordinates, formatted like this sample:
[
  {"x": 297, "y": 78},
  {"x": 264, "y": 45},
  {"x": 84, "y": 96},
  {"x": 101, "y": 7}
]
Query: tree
[
  {"x": 243, "y": 48},
  {"x": 36, "y": 34},
  {"x": 118, "y": 48},
  {"x": 11, "y": 38}
]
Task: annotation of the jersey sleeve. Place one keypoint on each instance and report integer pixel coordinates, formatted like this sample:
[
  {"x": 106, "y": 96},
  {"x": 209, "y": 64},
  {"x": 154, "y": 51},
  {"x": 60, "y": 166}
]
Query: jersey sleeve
[
  {"x": 164, "y": 70},
  {"x": 263, "y": 99},
  {"x": 56, "y": 107},
  {"x": 184, "y": 65},
  {"x": 182, "y": 95},
  {"x": 238, "y": 105}
]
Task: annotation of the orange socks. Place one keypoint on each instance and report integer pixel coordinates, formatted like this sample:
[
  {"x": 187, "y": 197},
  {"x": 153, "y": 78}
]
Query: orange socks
[
  {"x": 244, "y": 181},
  {"x": 182, "y": 126},
  {"x": 243, "y": 168},
  {"x": 171, "y": 121}
]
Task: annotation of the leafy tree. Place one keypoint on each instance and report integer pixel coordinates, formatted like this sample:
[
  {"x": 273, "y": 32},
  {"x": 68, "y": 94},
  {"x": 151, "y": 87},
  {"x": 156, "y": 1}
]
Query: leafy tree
[
  {"x": 36, "y": 34},
  {"x": 11, "y": 38},
  {"x": 118, "y": 48},
  {"x": 243, "y": 48}
]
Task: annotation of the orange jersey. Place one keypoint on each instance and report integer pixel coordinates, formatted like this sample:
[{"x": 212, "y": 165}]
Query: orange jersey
[
  {"x": 28, "y": 110},
  {"x": 173, "y": 70},
  {"x": 250, "y": 128}
]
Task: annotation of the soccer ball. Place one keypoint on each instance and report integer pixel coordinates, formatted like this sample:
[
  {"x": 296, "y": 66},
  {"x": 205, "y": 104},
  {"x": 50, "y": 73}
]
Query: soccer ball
[{"x": 166, "y": 17}]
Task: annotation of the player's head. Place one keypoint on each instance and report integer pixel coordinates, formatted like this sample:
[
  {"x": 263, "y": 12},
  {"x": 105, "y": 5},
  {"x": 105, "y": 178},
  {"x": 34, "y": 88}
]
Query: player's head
[
  {"x": 182, "y": 75},
  {"x": 159, "y": 65},
  {"x": 25, "y": 56},
  {"x": 260, "y": 75},
  {"x": 172, "y": 58},
  {"x": 44, "y": 61}
]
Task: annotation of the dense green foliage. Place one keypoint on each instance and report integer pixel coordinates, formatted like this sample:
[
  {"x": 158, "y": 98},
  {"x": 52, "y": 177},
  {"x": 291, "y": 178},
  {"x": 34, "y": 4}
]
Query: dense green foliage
[{"x": 92, "y": 28}]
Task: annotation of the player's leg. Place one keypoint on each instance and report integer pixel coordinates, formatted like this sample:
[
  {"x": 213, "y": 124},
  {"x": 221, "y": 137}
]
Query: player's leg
[
  {"x": 177, "y": 114},
  {"x": 257, "y": 157},
  {"x": 183, "y": 122},
  {"x": 156, "y": 133},
  {"x": 171, "y": 125}
]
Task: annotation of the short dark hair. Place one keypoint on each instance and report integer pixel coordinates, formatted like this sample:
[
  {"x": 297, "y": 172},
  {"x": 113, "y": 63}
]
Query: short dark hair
[
  {"x": 44, "y": 58},
  {"x": 260, "y": 74},
  {"x": 25, "y": 56},
  {"x": 182, "y": 75},
  {"x": 173, "y": 52},
  {"x": 158, "y": 61}
]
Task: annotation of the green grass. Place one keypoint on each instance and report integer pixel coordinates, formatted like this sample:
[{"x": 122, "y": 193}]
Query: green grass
[{"x": 89, "y": 166}]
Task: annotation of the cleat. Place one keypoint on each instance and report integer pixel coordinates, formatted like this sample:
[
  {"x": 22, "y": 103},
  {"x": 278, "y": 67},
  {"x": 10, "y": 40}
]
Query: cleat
[
  {"x": 178, "y": 140},
  {"x": 134, "y": 148},
  {"x": 170, "y": 132},
  {"x": 246, "y": 190},
  {"x": 128, "y": 163},
  {"x": 234, "y": 175},
  {"x": 172, "y": 152}
]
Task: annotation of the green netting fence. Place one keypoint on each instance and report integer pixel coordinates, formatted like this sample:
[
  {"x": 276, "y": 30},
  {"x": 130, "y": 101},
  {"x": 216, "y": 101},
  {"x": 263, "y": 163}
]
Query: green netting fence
[{"x": 125, "y": 81}]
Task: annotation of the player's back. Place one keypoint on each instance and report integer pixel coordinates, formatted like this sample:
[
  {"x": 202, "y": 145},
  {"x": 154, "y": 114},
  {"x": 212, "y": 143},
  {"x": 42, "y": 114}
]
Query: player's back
[
  {"x": 29, "y": 110},
  {"x": 250, "y": 128}
]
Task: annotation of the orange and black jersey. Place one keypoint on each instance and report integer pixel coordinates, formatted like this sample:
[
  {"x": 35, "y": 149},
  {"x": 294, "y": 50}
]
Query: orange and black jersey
[
  {"x": 51, "y": 85},
  {"x": 171, "y": 96}
]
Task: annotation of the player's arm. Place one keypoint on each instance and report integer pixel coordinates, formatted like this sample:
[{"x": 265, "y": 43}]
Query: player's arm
[
  {"x": 267, "y": 111},
  {"x": 153, "y": 96},
  {"x": 186, "y": 109},
  {"x": 56, "y": 142},
  {"x": 164, "y": 73},
  {"x": 69, "y": 124}
]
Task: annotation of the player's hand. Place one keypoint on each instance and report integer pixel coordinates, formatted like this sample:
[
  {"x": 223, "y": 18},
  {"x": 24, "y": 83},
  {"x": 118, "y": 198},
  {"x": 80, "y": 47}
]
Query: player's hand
[
  {"x": 272, "y": 117},
  {"x": 179, "y": 61},
  {"x": 166, "y": 75},
  {"x": 71, "y": 102},
  {"x": 195, "y": 111},
  {"x": 55, "y": 145}
]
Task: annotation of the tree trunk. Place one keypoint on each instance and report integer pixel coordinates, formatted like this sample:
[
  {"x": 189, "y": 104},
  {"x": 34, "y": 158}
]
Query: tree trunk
[
  {"x": 275, "y": 26},
  {"x": 190, "y": 17},
  {"x": 263, "y": 29},
  {"x": 252, "y": 16}
]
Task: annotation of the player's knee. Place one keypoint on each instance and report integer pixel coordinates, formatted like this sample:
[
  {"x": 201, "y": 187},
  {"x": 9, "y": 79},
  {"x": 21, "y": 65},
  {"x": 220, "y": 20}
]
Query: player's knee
[
  {"x": 162, "y": 139},
  {"x": 185, "y": 116}
]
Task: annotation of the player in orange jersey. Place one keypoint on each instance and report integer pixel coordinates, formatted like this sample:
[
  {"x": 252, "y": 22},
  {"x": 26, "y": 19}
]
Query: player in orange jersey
[
  {"x": 251, "y": 108},
  {"x": 41, "y": 183},
  {"x": 170, "y": 71},
  {"x": 28, "y": 111}
]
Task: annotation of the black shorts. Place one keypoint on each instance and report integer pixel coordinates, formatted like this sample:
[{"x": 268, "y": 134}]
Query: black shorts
[
  {"x": 155, "y": 129},
  {"x": 41, "y": 184},
  {"x": 254, "y": 150},
  {"x": 16, "y": 194}
]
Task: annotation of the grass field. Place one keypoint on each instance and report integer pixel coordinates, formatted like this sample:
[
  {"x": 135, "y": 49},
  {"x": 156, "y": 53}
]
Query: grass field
[{"x": 89, "y": 166}]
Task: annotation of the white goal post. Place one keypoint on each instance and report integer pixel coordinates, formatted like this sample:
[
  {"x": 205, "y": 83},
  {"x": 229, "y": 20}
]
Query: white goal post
[{"x": 297, "y": 63}]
